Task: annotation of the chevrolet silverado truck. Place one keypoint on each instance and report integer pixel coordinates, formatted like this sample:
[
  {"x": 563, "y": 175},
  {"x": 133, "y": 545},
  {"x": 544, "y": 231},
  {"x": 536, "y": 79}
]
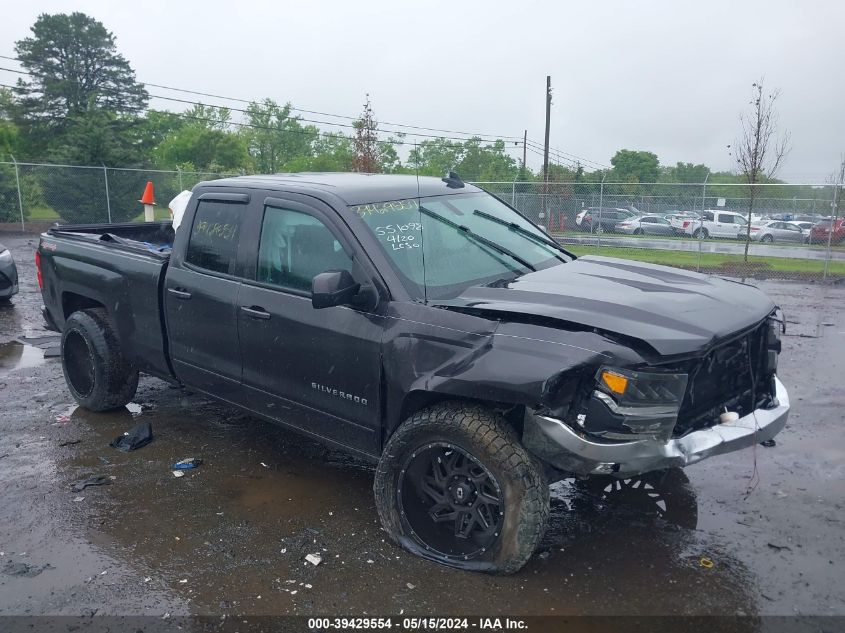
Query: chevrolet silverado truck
[{"x": 428, "y": 326}]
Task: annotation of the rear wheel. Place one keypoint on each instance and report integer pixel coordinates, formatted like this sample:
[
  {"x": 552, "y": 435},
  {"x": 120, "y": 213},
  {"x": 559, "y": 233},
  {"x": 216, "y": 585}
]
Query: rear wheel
[
  {"x": 638, "y": 231},
  {"x": 767, "y": 239},
  {"x": 454, "y": 485},
  {"x": 96, "y": 372},
  {"x": 701, "y": 234}
]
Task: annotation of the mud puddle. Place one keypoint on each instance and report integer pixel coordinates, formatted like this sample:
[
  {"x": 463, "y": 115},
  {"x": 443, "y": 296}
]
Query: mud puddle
[{"x": 15, "y": 356}]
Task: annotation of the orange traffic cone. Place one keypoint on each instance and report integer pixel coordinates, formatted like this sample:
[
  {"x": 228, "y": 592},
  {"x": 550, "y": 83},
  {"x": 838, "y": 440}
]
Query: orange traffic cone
[{"x": 148, "y": 197}]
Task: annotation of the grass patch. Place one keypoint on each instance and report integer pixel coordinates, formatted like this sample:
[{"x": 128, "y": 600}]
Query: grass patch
[
  {"x": 42, "y": 213},
  {"x": 718, "y": 262}
]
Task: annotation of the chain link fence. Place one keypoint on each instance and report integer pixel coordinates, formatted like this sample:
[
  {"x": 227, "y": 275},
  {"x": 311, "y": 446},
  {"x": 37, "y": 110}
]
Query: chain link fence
[
  {"x": 698, "y": 226},
  {"x": 38, "y": 195}
]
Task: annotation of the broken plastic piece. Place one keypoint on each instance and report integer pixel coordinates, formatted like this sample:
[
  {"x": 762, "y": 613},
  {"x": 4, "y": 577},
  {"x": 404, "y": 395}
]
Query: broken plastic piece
[
  {"x": 186, "y": 464},
  {"x": 314, "y": 559},
  {"x": 178, "y": 473}
]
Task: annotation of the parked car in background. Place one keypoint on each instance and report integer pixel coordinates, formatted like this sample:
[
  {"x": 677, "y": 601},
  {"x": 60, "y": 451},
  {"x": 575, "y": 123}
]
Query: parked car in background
[
  {"x": 776, "y": 231},
  {"x": 8, "y": 275},
  {"x": 821, "y": 232},
  {"x": 803, "y": 225},
  {"x": 717, "y": 223},
  {"x": 645, "y": 225},
  {"x": 679, "y": 218},
  {"x": 601, "y": 219}
]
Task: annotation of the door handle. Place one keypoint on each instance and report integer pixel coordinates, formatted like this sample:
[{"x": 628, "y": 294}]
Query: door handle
[
  {"x": 255, "y": 312},
  {"x": 179, "y": 294}
]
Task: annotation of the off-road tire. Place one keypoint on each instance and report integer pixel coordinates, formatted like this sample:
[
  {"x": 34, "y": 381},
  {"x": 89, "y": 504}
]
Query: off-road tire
[
  {"x": 97, "y": 374},
  {"x": 488, "y": 438}
]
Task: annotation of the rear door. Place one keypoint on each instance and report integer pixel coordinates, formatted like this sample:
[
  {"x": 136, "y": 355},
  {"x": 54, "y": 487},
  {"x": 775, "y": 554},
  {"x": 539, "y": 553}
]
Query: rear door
[
  {"x": 724, "y": 226},
  {"x": 318, "y": 370},
  {"x": 201, "y": 297}
]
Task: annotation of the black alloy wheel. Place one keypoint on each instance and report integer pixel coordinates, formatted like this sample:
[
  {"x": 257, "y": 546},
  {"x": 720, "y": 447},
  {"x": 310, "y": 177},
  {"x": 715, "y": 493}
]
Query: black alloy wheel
[{"x": 449, "y": 502}]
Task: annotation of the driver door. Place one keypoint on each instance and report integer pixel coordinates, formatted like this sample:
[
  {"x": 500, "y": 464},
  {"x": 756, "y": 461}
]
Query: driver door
[{"x": 318, "y": 370}]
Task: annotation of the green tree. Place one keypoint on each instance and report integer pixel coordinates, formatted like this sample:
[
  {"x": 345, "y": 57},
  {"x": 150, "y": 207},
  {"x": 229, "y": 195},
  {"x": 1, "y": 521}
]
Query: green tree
[
  {"x": 635, "y": 166},
  {"x": 75, "y": 68},
  {"x": 205, "y": 141},
  {"x": 330, "y": 152},
  {"x": 688, "y": 172},
  {"x": 472, "y": 159},
  {"x": 276, "y": 137},
  {"x": 94, "y": 138}
]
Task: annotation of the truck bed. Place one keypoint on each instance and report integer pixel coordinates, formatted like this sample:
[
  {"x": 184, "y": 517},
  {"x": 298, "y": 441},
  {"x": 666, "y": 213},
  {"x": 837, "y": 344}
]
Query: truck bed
[
  {"x": 119, "y": 267},
  {"x": 151, "y": 237}
]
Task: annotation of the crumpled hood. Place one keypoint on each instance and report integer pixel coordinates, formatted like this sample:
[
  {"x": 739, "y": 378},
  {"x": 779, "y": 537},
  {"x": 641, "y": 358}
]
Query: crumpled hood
[{"x": 672, "y": 310}]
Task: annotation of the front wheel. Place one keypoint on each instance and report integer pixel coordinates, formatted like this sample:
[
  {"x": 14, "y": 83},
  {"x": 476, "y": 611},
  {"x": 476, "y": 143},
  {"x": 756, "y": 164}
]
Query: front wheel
[
  {"x": 454, "y": 485},
  {"x": 97, "y": 374}
]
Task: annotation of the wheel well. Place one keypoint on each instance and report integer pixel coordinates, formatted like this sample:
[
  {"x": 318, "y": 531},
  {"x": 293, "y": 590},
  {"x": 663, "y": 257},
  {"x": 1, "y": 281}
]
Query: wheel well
[
  {"x": 72, "y": 302},
  {"x": 416, "y": 400}
]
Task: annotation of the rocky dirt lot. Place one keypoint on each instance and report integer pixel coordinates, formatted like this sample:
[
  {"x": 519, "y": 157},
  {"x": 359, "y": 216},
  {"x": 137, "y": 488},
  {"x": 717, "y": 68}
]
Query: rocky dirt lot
[{"x": 760, "y": 532}]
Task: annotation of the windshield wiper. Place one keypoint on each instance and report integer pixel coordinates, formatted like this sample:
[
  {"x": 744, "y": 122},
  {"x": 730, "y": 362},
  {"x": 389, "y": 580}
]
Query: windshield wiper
[
  {"x": 513, "y": 226},
  {"x": 475, "y": 236}
]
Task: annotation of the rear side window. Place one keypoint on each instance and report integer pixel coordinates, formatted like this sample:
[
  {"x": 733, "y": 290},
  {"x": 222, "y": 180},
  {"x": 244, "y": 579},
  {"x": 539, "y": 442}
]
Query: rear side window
[
  {"x": 708, "y": 216},
  {"x": 214, "y": 236},
  {"x": 295, "y": 247}
]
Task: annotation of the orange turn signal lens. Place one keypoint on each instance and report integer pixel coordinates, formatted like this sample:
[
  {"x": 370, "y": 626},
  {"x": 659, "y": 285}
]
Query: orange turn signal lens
[{"x": 614, "y": 382}]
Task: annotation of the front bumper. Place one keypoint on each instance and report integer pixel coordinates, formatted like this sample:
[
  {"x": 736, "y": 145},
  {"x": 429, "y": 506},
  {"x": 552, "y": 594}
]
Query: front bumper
[{"x": 568, "y": 450}]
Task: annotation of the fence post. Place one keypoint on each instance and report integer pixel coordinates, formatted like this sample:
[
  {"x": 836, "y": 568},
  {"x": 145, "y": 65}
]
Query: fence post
[
  {"x": 179, "y": 171},
  {"x": 20, "y": 198},
  {"x": 601, "y": 204},
  {"x": 108, "y": 201},
  {"x": 703, "y": 206},
  {"x": 830, "y": 229}
]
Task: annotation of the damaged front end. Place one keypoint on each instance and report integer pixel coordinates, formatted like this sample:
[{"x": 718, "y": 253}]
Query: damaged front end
[{"x": 625, "y": 421}]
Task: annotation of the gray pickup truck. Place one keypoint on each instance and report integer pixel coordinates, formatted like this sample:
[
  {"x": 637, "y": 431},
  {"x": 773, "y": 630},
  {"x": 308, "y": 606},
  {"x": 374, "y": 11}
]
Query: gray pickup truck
[{"x": 428, "y": 326}]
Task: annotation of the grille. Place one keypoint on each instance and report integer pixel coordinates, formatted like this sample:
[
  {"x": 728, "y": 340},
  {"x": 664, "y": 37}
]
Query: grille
[{"x": 723, "y": 379}]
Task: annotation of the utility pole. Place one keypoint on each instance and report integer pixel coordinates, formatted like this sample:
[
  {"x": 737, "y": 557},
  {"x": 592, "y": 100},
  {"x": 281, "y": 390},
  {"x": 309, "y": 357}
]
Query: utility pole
[
  {"x": 524, "y": 149},
  {"x": 546, "y": 146}
]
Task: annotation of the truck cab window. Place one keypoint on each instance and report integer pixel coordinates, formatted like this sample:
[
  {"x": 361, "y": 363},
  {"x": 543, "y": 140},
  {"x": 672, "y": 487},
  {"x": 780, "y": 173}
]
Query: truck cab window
[
  {"x": 295, "y": 247},
  {"x": 214, "y": 236}
]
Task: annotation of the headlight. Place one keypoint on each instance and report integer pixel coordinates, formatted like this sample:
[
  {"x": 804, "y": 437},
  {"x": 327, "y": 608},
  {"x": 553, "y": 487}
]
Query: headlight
[
  {"x": 630, "y": 404},
  {"x": 5, "y": 256},
  {"x": 636, "y": 388}
]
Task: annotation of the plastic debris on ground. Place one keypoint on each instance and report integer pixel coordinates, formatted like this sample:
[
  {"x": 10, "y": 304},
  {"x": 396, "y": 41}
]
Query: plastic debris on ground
[
  {"x": 138, "y": 437},
  {"x": 187, "y": 464},
  {"x": 94, "y": 480},
  {"x": 314, "y": 559},
  {"x": 178, "y": 473}
]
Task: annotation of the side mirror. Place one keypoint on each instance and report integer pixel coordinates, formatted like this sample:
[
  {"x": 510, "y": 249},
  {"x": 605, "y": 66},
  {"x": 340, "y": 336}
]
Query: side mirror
[{"x": 333, "y": 288}]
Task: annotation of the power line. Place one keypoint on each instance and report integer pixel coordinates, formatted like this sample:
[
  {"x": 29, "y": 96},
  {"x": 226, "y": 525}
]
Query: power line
[
  {"x": 573, "y": 158},
  {"x": 315, "y": 112},
  {"x": 245, "y": 111},
  {"x": 516, "y": 140}
]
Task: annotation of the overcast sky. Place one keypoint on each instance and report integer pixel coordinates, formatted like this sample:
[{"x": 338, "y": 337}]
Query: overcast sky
[{"x": 668, "y": 77}]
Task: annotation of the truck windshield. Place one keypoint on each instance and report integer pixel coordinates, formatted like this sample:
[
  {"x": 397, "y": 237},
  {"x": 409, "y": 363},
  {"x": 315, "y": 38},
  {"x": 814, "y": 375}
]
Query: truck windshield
[{"x": 444, "y": 244}]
